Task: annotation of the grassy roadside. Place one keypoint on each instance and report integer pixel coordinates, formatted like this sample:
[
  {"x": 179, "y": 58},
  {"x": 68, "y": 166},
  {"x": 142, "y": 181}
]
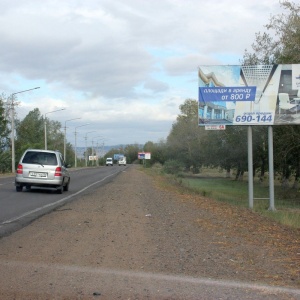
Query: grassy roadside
[
  {"x": 6, "y": 175},
  {"x": 236, "y": 193},
  {"x": 215, "y": 186}
]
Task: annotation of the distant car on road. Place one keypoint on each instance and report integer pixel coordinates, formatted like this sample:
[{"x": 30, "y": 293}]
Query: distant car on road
[
  {"x": 122, "y": 161},
  {"x": 109, "y": 161},
  {"x": 42, "y": 168}
]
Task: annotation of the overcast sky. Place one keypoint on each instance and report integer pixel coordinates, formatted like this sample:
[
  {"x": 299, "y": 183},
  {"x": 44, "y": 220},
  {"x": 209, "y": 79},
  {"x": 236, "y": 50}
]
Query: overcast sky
[{"x": 123, "y": 66}]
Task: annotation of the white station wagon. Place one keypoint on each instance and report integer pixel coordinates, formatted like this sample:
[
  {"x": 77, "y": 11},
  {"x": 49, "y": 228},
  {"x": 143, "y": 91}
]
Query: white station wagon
[{"x": 42, "y": 168}]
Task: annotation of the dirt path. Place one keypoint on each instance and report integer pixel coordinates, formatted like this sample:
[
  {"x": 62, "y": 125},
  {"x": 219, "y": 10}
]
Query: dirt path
[{"x": 134, "y": 229}]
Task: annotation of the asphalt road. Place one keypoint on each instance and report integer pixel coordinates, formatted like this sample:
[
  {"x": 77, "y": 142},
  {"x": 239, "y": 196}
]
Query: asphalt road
[{"x": 19, "y": 209}]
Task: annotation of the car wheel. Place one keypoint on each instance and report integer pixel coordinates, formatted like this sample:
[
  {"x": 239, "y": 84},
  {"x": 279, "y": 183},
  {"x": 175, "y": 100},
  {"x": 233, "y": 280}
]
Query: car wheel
[
  {"x": 66, "y": 187},
  {"x": 19, "y": 188},
  {"x": 60, "y": 189}
]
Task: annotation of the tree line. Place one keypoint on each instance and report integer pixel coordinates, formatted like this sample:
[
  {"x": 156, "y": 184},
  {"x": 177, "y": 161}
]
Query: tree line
[{"x": 190, "y": 148}]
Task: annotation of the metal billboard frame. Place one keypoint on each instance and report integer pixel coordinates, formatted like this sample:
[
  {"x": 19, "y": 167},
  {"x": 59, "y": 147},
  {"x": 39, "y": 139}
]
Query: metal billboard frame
[{"x": 250, "y": 95}]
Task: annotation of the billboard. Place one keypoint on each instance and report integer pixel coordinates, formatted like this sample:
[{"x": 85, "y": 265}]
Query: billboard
[
  {"x": 249, "y": 95},
  {"x": 144, "y": 155},
  {"x": 93, "y": 157}
]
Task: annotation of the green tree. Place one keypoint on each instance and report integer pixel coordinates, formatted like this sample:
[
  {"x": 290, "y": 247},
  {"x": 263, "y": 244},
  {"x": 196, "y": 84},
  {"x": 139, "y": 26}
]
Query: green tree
[
  {"x": 227, "y": 150},
  {"x": 158, "y": 151},
  {"x": 287, "y": 153},
  {"x": 29, "y": 133},
  {"x": 281, "y": 42},
  {"x": 4, "y": 130},
  {"x": 185, "y": 140},
  {"x": 55, "y": 137},
  {"x": 70, "y": 153},
  {"x": 5, "y": 154}
]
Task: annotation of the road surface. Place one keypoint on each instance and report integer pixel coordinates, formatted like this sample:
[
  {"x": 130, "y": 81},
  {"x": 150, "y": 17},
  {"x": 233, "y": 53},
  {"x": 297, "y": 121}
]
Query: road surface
[{"x": 19, "y": 209}]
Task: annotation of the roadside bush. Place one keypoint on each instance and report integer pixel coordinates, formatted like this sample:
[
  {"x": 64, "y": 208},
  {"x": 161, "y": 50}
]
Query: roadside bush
[
  {"x": 173, "y": 166},
  {"x": 157, "y": 168},
  {"x": 5, "y": 162}
]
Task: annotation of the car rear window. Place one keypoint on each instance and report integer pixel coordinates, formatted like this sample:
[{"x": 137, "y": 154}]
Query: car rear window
[{"x": 43, "y": 158}]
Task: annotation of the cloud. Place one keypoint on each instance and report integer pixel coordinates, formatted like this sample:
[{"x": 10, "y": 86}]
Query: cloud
[
  {"x": 121, "y": 64},
  {"x": 180, "y": 65}
]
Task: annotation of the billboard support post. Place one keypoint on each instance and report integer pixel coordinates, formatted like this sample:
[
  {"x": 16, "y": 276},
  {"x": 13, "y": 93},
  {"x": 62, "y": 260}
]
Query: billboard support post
[
  {"x": 271, "y": 169},
  {"x": 250, "y": 168}
]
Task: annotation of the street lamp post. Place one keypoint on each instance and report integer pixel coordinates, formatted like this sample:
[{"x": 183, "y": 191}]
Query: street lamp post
[
  {"x": 86, "y": 146},
  {"x": 45, "y": 123},
  {"x": 93, "y": 145},
  {"x": 13, "y": 167},
  {"x": 65, "y": 139},
  {"x": 76, "y": 142}
]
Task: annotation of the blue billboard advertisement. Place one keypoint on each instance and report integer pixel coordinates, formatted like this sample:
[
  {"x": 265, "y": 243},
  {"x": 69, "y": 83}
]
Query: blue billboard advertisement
[
  {"x": 249, "y": 95},
  {"x": 118, "y": 156}
]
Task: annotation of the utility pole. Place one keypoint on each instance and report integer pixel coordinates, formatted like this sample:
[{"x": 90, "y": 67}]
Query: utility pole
[
  {"x": 13, "y": 163},
  {"x": 13, "y": 168}
]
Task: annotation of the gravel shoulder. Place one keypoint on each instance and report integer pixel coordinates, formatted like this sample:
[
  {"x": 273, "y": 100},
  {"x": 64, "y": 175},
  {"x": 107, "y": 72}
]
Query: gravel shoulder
[{"x": 135, "y": 230}]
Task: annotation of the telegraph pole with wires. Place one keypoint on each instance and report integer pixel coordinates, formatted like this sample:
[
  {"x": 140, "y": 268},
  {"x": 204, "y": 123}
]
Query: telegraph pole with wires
[{"x": 10, "y": 108}]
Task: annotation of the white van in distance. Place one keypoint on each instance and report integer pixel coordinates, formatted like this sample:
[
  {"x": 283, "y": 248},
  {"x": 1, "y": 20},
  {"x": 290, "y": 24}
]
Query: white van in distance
[
  {"x": 109, "y": 161},
  {"x": 122, "y": 161}
]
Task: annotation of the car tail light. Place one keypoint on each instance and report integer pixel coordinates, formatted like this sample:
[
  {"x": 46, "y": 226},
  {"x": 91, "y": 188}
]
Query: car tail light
[
  {"x": 58, "y": 172},
  {"x": 20, "y": 169}
]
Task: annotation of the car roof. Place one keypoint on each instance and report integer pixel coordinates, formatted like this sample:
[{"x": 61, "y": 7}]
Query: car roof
[{"x": 43, "y": 150}]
